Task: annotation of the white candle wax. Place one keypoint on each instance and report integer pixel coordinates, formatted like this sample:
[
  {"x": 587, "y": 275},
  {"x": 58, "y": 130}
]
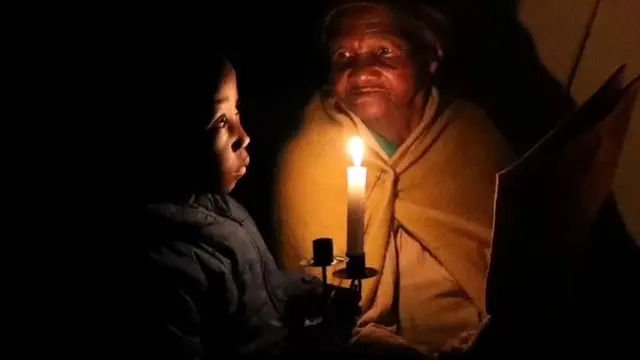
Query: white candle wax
[
  {"x": 356, "y": 184},
  {"x": 357, "y": 176}
]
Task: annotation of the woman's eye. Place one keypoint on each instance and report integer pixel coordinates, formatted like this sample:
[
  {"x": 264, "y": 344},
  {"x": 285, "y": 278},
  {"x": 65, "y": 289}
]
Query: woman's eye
[
  {"x": 341, "y": 55},
  {"x": 384, "y": 51}
]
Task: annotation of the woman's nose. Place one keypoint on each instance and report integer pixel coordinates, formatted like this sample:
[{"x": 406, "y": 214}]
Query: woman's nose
[
  {"x": 363, "y": 69},
  {"x": 362, "y": 74}
]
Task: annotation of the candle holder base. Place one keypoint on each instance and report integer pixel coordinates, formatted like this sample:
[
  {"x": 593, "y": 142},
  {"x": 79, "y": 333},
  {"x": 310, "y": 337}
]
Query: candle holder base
[
  {"x": 356, "y": 277},
  {"x": 356, "y": 271},
  {"x": 312, "y": 263},
  {"x": 366, "y": 273}
]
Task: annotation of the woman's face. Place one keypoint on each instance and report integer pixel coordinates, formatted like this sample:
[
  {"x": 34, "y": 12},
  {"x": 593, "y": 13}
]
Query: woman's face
[
  {"x": 371, "y": 71},
  {"x": 229, "y": 140}
]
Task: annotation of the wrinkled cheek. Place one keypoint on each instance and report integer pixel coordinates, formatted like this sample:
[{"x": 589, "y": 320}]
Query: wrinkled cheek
[
  {"x": 403, "y": 84},
  {"x": 394, "y": 63},
  {"x": 338, "y": 83}
]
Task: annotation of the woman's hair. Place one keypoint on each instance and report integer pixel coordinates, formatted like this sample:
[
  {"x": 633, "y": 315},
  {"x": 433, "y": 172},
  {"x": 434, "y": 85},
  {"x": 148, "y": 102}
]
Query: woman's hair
[{"x": 424, "y": 28}]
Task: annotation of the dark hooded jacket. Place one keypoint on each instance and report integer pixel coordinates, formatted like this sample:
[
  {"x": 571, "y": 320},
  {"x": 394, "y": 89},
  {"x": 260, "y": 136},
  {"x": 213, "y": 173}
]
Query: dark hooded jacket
[{"x": 213, "y": 287}]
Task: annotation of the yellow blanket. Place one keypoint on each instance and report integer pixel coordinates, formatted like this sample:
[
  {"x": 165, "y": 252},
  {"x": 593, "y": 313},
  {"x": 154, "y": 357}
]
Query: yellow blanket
[{"x": 438, "y": 189}]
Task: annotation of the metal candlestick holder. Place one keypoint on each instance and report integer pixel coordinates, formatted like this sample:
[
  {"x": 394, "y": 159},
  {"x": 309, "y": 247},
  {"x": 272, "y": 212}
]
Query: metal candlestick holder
[
  {"x": 323, "y": 257},
  {"x": 356, "y": 271}
]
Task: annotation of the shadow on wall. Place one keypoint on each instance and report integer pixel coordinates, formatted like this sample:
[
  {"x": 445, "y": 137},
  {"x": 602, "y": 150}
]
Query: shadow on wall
[{"x": 496, "y": 64}]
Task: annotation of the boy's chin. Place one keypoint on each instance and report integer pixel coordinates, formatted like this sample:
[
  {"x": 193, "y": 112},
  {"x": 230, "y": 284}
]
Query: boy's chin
[{"x": 227, "y": 188}]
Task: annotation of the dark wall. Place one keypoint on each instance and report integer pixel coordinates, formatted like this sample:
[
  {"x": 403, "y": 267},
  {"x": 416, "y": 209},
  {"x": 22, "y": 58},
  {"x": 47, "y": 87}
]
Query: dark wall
[{"x": 276, "y": 54}]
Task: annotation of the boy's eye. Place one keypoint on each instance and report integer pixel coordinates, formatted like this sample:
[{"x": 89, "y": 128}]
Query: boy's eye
[{"x": 221, "y": 122}]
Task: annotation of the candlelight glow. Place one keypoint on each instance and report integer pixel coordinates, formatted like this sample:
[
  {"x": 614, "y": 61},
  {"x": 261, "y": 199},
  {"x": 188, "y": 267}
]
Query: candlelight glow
[{"x": 356, "y": 149}]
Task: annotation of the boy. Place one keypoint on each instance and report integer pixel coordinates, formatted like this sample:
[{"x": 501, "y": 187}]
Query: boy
[{"x": 213, "y": 288}]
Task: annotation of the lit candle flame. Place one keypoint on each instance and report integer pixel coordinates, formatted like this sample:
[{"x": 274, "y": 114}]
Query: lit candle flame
[{"x": 356, "y": 149}]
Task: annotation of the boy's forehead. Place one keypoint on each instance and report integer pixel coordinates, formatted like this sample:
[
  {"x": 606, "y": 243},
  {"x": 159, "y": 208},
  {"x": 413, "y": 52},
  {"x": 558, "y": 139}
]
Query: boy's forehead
[{"x": 227, "y": 89}]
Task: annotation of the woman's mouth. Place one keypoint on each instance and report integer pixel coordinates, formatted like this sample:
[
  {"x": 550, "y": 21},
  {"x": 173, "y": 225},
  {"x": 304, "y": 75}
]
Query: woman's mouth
[{"x": 367, "y": 90}]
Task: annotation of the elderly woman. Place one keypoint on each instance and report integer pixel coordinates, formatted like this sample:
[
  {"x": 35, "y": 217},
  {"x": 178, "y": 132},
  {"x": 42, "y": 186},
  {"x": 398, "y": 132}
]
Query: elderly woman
[{"x": 431, "y": 167}]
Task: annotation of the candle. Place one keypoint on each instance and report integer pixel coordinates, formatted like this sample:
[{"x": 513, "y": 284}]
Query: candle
[{"x": 356, "y": 183}]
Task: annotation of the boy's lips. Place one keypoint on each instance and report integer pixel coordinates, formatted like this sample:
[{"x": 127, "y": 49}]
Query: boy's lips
[
  {"x": 243, "y": 168},
  {"x": 241, "y": 172}
]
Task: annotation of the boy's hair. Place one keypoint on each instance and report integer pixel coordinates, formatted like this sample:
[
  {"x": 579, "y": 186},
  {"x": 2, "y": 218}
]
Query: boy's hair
[{"x": 180, "y": 103}]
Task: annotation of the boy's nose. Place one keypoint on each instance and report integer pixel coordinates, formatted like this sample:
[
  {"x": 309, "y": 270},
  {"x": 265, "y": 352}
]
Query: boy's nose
[{"x": 242, "y": 139}]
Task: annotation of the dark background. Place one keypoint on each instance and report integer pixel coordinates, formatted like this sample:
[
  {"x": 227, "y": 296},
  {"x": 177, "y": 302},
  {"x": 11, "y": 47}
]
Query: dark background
[{"x": 280, "y": 63}]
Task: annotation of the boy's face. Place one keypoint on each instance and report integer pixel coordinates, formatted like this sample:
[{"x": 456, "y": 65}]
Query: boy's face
[{"x": 229, "y": 139}]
